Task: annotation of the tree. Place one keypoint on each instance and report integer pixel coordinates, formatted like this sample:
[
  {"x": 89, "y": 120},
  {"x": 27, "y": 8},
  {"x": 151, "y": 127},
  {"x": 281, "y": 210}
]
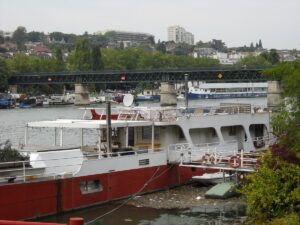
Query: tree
[
  {"x": 271, "y": 56},
  {"x": 82, "y": 56},
  {"x": 34, "y": 36},
  {"x": 219, "y": 45},
  {"x": 4, "y": 73},
  {"x": 273, "y": 193},
  {"x": 254, "y": 61},
  {"x": 161, "y": 47},
  {"x": 260, "y": 44},
  {"x": 19, "y": 37},
  {"x": 59, "y": 60},
  {"x": 97, "y": 63}
]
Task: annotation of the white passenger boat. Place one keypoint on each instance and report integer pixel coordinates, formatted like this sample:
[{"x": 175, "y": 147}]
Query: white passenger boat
[
  {"x": 151, "y": 149},
  {"x": 228, "y": 90}
]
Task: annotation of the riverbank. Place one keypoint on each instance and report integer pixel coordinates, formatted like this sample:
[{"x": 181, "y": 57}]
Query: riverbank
[{"x": 187, "y": 196}]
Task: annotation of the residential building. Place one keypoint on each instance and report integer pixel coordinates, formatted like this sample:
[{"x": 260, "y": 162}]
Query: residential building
[
  {"x": 128, "y": 39},
  {"x": 180, "y": 35}
]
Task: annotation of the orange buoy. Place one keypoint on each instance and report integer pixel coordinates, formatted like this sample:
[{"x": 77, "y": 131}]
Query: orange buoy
[{"x": 234, "y": 162}]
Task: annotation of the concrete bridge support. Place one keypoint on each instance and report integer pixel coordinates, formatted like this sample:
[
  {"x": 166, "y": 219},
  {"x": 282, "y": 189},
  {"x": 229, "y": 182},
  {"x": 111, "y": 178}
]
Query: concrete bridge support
[
  {"x": 13, "y": 89},
  {"x": 274, "y": 94},
  {"x": 167, "y": 94},
  {"x": 81, "y": 94}
]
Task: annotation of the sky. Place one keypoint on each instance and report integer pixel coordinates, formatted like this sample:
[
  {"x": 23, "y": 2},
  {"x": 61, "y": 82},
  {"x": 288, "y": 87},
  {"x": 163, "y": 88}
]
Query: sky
[{"x": 236, "y": 22}]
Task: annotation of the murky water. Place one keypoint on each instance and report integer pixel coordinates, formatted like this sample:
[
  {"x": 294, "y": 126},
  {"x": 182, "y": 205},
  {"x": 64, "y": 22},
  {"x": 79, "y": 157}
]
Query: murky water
[
  {"x": 12, "y": 124},
  {"x": 147, "y": 216}
]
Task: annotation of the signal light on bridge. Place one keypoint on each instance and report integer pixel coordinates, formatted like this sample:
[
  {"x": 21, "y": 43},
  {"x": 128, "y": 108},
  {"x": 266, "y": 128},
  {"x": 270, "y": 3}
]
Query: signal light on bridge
[
  {"x": 49, "y": 79},
  {"x": 220, "y": 76},
  {"x": 123, "y": 77}
]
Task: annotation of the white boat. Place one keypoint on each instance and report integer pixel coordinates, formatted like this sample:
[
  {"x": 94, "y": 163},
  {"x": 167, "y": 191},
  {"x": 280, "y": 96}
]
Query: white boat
[
  {"x": 228, "y": 90},
  {"x": 212, "y": 178},
  {"x": 151, "y": 149},
  {"x": 96, "y": 99},
  {"x": 64, "y": 99}
]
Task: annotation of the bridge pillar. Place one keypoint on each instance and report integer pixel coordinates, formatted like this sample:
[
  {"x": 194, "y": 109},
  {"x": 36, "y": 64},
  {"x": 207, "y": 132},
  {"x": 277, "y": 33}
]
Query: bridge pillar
[
  {"x": 167, "y": 94},
  {"x": 274, "y": 94},
  {"x": 13, "y": 89},
  {"x": 81, "y": 94}
]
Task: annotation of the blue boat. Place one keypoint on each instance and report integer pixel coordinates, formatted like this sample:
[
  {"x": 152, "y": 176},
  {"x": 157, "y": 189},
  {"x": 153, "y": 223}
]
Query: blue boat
[
  {"x": 27, "y": 103},
  {"x": 6, "y": 101}
]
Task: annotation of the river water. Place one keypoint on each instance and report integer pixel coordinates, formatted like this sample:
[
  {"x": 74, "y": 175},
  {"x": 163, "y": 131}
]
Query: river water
[{"x": 12, "y": 124}]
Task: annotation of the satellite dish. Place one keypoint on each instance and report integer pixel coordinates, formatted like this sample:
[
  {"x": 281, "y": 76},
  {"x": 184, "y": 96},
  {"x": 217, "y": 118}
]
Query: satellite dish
[{"x": 128, "y": 100}]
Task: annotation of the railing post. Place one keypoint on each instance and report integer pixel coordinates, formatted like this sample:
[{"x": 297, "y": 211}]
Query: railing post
[
  {"x": 76, "y": 221},
  {"x": 26, "y": 135},
  {"x": 24, "y": 172},
  {"x": 242, "y": 158}
]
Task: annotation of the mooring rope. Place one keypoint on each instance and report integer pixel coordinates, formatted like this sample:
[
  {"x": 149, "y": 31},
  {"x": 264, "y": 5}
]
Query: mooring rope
[{"x": 133, "y": 196}]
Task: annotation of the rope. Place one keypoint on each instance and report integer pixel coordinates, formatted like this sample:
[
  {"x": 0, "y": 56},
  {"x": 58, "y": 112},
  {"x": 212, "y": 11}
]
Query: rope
[{"x": 133, "y": 196}]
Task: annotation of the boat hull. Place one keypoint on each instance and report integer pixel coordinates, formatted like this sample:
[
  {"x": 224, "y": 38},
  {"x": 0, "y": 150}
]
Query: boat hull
[
  {"x": 40, "y": 198},
  {"x": 195, "y": 96}
]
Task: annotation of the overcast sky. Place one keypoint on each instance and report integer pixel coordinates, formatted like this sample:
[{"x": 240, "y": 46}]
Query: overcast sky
[{"x": 236, "y": 22}]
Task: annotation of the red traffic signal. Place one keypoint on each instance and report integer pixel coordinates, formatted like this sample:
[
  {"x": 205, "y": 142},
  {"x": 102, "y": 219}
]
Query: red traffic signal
[
  {"x": 49, "y": 79},
  {"x": 123, "y": 77}
]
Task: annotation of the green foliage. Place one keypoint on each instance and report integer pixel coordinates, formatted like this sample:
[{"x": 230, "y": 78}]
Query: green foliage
[
  {"x": 218, "y": 45},
  {"x": 21, "y": 63},
  {"x": 7, "y": 154},
  {"x": 271, "y": 56},
  {"x": 35, "y": 36},
  {"x": 286, "y": 122},
  {"x": 97, "y": 63},
  {"x": 4, "y": 74},
  {"x": 59, "y": 60},
  {"x": 251, "y": 60},
  {"x": 82, "y": 56},
  {"x": 19, "y": 37},
  {"x": 273, "y": 191},
  {"x": 289, "y": 219}
]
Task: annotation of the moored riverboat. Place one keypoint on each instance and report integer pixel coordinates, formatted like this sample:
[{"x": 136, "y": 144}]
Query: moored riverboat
[
  {"x": 228, "y": 90},
  {"x": 144, "y": 153},
  {"x": 6, "y": 101}
]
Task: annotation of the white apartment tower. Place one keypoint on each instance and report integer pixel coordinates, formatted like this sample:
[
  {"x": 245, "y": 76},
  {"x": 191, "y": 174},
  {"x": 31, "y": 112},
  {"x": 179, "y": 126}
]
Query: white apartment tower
[{"x": 180, "y": 35}]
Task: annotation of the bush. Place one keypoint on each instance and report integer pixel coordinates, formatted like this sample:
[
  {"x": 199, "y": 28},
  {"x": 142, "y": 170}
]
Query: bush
[
  {"x": 272, "y": 192},
  {"x": 7, "y": 154}
]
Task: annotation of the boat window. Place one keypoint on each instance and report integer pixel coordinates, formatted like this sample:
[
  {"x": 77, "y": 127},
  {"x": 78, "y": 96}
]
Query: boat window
[
  {"x": 232, "y": 131},
  {"x": 147, "y": 133},
  {"x": 90, "y": 186},
  {"x": 213, "y": 133},
  {"x": 180, "y": 134}
]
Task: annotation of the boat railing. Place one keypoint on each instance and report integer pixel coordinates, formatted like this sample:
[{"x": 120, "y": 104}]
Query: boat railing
[
  {"x": 172, "y": 114},
  {"x": 103, "y": 155},
  {"x": 224, "y": 160},
  {"x": 24, "y": 171},
  {"x": 264, "y": 141}
]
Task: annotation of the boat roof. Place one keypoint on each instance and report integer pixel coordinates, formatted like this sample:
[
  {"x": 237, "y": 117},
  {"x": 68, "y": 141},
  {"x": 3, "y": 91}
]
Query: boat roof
[{"x": 88, "y": 124}]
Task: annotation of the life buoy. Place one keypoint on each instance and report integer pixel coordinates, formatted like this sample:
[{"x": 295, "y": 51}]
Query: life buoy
[{"x": 234, "y": 162}]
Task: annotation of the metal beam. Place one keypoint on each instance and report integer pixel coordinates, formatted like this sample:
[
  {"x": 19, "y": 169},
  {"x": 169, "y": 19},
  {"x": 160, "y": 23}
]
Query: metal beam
[{"x": 131, "y": 77}]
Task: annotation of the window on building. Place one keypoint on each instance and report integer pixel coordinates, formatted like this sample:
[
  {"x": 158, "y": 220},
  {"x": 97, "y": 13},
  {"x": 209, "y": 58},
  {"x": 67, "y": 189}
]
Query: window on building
[{"x": 90, "y": 186}]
